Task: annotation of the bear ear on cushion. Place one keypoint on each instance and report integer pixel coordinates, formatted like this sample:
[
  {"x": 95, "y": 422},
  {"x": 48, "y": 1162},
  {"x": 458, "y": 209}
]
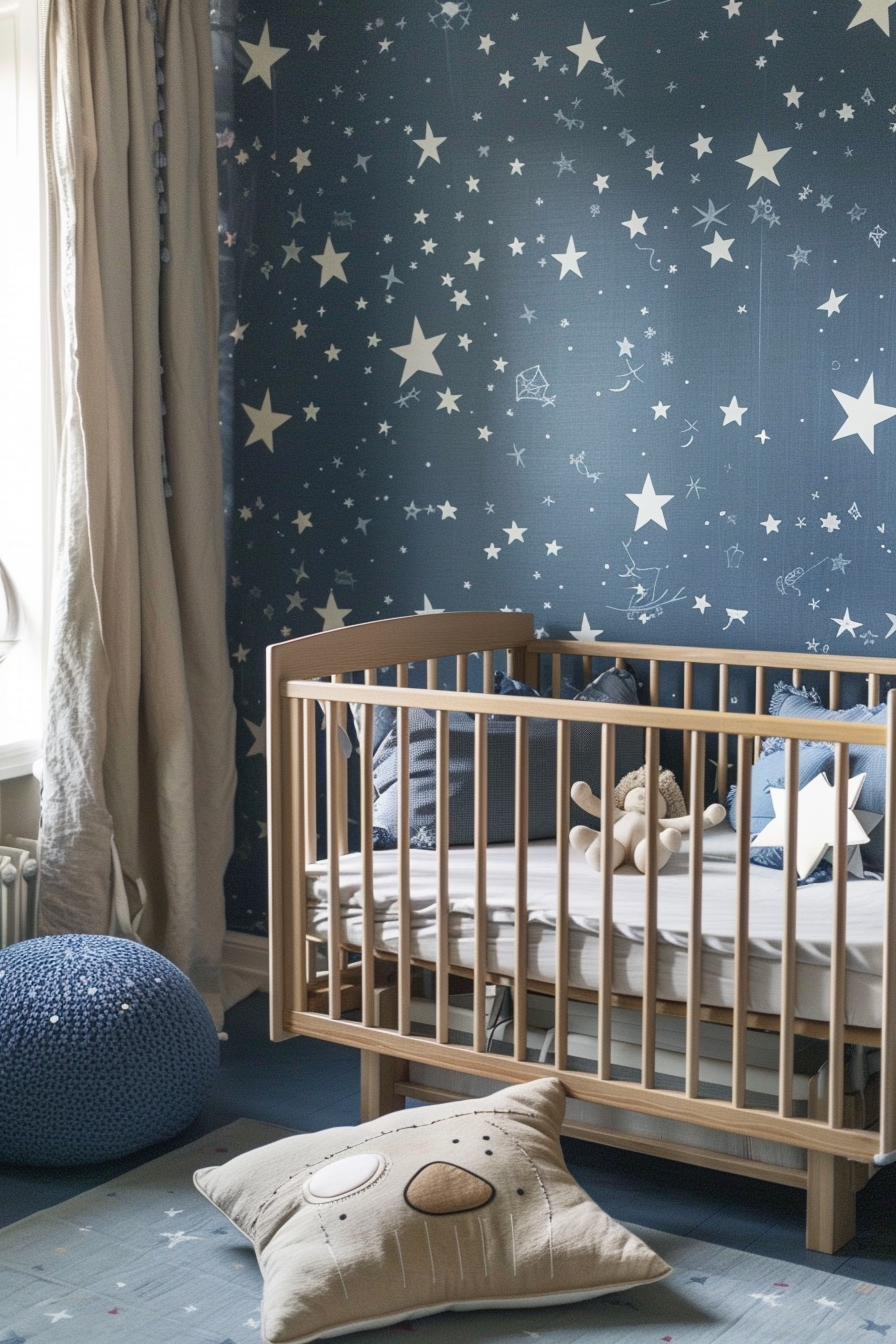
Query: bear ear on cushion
[{"x": 457, "y": 1206}]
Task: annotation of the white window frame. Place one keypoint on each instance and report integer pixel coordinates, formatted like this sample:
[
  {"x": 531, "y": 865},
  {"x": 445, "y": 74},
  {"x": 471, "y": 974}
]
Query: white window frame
[{"x": 27, "y": 452}]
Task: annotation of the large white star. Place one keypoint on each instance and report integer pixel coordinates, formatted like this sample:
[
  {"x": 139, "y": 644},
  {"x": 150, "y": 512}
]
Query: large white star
[
  {"x": 873, "y": 11},
  {"x": 733, "y": 412},
  {"x": 418, "y": 353},
  {"x": 264, "y": 421},
  {"x": 330, "y": 263},
  {"x": 635, "y": 224},
  {"x": 333, "y": 616},
  {"x": 430, "y": 146},
  {"x": 263, "y": 57},
  {"x": 258, "y": 737},
  {"x": 762, "y": 162},
  {"x": 701, "y": 144},
  {"x": 816, "y": 821},
  {"x": 650, "y": 505},
  {"x": 832, "y": 304},
  {"x": 569, "y": 260},
  {"x": 586, "y": 50},
  {"x": 584, "y": 633},
  {"x": 428, "y": 609},
  {"x": 719, "y": 249},
  {"x": 846, "y": 624},
  {"x": 862, "y": 414}
]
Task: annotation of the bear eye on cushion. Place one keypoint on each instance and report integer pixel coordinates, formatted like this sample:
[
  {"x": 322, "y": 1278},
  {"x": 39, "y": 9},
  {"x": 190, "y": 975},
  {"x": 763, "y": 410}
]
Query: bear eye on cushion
[{"x": 458, "y": 1206}]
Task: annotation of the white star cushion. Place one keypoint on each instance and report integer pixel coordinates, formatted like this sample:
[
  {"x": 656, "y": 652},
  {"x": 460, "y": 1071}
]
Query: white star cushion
[
  {"x": 816, "y": 815},
  {"x": 461, "y": 1206}
]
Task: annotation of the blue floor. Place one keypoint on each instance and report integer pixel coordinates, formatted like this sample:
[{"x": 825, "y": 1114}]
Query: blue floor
[{"x": 306, "y": 1084}]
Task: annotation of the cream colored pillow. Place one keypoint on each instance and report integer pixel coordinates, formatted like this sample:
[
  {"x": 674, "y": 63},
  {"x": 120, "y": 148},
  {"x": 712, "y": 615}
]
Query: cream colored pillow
[{"x": 460, "y": 1206}]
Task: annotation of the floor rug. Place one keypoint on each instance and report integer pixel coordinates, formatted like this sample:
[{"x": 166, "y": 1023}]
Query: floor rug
[{"x": 144, "y": 1259}]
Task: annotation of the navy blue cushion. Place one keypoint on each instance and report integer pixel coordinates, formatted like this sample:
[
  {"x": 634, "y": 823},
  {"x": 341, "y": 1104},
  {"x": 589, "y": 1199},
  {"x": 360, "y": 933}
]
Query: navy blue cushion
[
  {"x": 768, "y": 773},
  {"x": 585, "y": 740},
  {"x": 105, "y": 1047}
]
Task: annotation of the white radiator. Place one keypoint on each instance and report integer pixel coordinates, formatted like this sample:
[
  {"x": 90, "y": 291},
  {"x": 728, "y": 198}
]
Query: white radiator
[{"x": 18, "y": 891}]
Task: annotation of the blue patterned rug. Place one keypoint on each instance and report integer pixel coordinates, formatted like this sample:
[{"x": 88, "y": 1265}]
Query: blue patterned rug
[{"x": 144, "y": 1259}]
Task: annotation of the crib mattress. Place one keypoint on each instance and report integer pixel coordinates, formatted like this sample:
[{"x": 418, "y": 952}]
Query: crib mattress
[{"x": 865, "y": 922}]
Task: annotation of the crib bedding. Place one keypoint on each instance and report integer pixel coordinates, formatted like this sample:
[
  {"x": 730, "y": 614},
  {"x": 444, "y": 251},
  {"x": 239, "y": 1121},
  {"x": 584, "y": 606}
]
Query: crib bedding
[{"x": 865, "y": 921}]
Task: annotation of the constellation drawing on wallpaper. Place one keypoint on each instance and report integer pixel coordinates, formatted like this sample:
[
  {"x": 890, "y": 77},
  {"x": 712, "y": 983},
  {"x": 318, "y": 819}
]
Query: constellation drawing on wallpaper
[
  {"x": 634, "y": 374},
  {"x": 448, "y": 11},
  {"x": 645, "y": 602},
  {"x": 651, "y": 258},
  {"x": 786, "y": 584},
  {"x": 577, "y": 460},
  {"x": 690, "y": 427}
]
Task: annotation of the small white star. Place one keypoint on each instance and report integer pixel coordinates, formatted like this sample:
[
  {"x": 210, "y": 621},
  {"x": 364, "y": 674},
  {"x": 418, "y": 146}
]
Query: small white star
[
  {"x": 733, "y": 412},
  {"x": 771, "y": 524},
  {"x": 700, "y": 604}
]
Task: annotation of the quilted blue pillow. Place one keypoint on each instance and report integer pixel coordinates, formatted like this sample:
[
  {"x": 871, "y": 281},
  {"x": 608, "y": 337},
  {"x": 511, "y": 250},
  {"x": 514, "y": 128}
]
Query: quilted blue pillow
[{"x": 768, "y": 773}]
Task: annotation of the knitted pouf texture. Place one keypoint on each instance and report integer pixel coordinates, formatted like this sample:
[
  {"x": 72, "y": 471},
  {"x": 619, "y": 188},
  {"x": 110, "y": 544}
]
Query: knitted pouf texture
[{"x": 105, "y": 1048}]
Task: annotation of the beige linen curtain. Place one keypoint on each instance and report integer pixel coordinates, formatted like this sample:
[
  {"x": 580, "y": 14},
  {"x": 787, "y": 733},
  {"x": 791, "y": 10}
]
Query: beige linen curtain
[{"x": 139, "y": 754}]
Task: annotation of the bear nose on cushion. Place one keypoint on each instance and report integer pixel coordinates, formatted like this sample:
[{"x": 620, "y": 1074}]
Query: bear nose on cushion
[{"x": 441, "y": 1187}]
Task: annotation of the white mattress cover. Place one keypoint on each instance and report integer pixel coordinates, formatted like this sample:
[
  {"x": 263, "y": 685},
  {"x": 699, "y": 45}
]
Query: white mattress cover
[{"x": 865, "y": 918}]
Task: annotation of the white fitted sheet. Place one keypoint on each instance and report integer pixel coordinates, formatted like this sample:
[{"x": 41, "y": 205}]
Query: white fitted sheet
[{"x": 865, "y": 917}]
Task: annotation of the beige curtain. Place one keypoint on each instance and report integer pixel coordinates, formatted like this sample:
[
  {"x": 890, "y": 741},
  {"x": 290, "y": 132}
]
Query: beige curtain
[{"x": 139, "y": 755}]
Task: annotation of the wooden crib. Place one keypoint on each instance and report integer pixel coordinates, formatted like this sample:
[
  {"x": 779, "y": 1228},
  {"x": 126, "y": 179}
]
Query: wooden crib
[{"x": 360, "y": 938}]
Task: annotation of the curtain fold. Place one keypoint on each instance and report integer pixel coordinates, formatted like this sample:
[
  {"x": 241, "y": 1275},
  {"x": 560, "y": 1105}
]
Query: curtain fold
[{"x": 139, "y": 750}]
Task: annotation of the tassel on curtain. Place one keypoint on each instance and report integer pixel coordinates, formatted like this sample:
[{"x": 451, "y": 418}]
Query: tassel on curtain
[{"x": 139, "y": 754}]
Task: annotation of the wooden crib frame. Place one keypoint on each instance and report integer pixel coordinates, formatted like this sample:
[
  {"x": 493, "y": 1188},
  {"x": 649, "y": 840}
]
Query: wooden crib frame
[{"x": 364, "y": 1000}]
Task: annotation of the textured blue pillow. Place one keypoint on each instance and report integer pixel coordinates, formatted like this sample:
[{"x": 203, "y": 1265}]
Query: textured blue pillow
[
  {"x": 105, "y": 1047},
  {"x": 803, "y": 702}
]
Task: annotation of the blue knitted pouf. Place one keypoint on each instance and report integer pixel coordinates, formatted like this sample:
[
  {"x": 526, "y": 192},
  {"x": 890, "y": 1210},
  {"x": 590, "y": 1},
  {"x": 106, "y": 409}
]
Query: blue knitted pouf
[{"x": 105, "y": 1047}]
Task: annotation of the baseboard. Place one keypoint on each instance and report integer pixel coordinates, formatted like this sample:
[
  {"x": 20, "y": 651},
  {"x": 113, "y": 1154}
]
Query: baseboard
[{"x": 246, "y": 954}]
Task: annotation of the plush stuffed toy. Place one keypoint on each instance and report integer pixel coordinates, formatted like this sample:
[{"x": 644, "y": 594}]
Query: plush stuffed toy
[{"x": 629, "y": 825}]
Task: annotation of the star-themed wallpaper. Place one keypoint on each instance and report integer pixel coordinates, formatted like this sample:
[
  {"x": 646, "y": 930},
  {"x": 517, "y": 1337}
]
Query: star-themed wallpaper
[{"x": 578, "y": 308}]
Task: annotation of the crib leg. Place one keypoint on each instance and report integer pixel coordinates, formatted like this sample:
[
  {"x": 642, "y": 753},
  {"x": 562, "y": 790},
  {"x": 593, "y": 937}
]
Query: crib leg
[
  {"x": 830, "y": 1203},
  {"x": 380, "y": 1073}
]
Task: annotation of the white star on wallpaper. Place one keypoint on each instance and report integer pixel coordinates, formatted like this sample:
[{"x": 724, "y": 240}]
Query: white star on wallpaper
[
  {"x": 333, "y": 616},
  {"x": 846, "y": 624},
  {"x": 733, "y": 412},
  {"x": 650, "y": 505},
  {"x": 761, "y": 161},
  {"x": 586, "y": 49},
  {"x": 264, "y": 421},
  {"x": 719, "y": 249},
  {"x": 873, "y": 11},
  {"x": 430, "y": 146},
  {"x": 832, "y": 303},
  {"x": 428, "y": 609},
  {"x": 258, "y": 737},
  {"x": 330, "y": 263},
  {"x": 862, "y": 414},
  {"x": 585, "y": 632},
  {"x": 263, "y": 56},
  {"x": 569, "y": 260},
  {"x": 418, "y": 353}
]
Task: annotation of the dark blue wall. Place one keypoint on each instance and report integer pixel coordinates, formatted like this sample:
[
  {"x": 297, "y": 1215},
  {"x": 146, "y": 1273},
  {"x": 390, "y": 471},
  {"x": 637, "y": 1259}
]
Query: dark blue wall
[{"x": 648, "y": 252}]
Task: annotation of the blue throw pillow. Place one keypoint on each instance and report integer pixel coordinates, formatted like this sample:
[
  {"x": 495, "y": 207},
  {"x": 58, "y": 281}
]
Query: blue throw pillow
[
  {"x": 768, "y": 773},
  {"x": 804, "y": 703}
]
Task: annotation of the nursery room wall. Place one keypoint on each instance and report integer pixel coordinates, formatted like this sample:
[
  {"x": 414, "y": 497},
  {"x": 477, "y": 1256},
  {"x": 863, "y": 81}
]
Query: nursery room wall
[{"x": 581, "y": 309}]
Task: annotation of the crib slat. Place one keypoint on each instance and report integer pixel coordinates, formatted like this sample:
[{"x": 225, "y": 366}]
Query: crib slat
[
  {"x": 688, "y": 701},
  {"x": 334, "y": 913},
  {"x": 341, "y": 773},
  {"x": 888, "y": 999},
  {"x": 295, "y": 908},
  {"x": 442, "y": 842},
  {"x": 605, "y": 1001},
  {"x": 834, "y": 690},
  {"x": 651, "y": 818},
  {"x": 760, "y": 709},
  {"x": 488, "y": 671},
  {"x": 561, "y": 972},
  {"x": 521, "y": 906},
  {"x": 655, "y": 666},
  {"x": 788, "y": 929},
  {"x": 873, "y": 688},
  {"x": 432, "y": 674},
  {"x": 368, "y": 969},
  {"x": 309, "y": 780},
  {"x": 403, "y": 760},
  {"x": 480, "y": 841},
  {"x": 695, "y": 935},
  {"x": 838, "y": 939},
  {"x": 722, "y": 752},
  {"x": 556, "y": 676},
  {"x": 741, "y": 924},
  {"x": 462, "y": 666}
]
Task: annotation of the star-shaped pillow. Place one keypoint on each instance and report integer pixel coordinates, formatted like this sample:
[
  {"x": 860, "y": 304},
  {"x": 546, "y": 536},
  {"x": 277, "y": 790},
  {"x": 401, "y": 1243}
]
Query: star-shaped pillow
[
  {"x": 816, "y": 819},
  {"x": 462, "y": 1206}
]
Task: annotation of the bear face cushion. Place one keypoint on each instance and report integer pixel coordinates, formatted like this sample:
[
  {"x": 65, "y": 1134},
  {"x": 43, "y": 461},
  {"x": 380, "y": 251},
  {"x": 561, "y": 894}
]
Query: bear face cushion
[{"x": 464, "y": 1205}]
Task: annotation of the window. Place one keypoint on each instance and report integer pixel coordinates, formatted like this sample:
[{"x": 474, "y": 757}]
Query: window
[{"x": 26, "y": 475}]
